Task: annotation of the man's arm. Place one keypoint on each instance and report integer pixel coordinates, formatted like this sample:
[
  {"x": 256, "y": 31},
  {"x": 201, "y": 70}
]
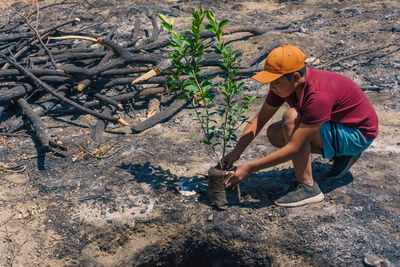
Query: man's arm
[
  {"x": 250, "y": 132},
  {"x": 299, "y": 140}
]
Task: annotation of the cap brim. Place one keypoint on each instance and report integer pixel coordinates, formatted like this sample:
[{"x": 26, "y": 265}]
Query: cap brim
[{"x": 266, "y": 77}]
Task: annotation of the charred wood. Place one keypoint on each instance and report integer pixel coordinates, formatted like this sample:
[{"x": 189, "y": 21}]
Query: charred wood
[
  {"x": 51, "y": 90},
  {"x": 108, "y": 100},
  {"x": 14, "y": 92},
  {"x": 36, "y": 71},
  {"x": 124, "y": 71},
  {"x": 156, "y": 30},
  {"x": 160, "y": 117},
  {"x": 153, "y": 107},
  {"x": 37, "y": 124},
  {"x": 83, "y": 84},
  {"x": 152, "y": 91},
  {"x": 135, "y": 32},
  {"x": 98, "y": 129},
  {"x": 16, "y": 123},
  {"x": 204, "y": 34},
  {"x": 24, "y": 46}
]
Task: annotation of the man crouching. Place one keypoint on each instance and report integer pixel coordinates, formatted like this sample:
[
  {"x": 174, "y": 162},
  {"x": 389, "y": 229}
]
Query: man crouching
[{"x": 329, "y": 114}]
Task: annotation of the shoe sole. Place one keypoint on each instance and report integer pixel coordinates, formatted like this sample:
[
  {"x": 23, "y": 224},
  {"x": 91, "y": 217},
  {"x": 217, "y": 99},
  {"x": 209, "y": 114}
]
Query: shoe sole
[
  {"x": 314, "y": 199},
  {"x": 345, "y": 170}
]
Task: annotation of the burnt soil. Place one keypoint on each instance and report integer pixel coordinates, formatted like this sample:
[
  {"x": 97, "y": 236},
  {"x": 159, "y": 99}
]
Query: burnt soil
[{"x": 126, "y": 210}]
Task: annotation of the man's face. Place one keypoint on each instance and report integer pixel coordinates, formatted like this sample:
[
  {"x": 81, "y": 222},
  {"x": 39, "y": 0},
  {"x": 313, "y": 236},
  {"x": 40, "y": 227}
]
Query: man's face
[{"x": 282, "y": 86}]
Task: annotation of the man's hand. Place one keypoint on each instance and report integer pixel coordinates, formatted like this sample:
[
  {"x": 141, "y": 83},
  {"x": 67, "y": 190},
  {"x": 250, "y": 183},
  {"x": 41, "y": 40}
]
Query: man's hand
[
  {"x": 242, "y": 172},
  {"x": 230, "y": 158}
]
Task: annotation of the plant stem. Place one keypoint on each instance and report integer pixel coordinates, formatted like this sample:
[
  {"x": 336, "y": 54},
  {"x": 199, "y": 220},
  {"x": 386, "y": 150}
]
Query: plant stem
[
  {"x": 206, "y": 133},
  {"x": 224, "y": 127}
]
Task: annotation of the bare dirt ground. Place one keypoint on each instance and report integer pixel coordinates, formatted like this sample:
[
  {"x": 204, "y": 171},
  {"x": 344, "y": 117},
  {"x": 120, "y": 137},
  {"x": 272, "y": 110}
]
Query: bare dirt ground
[{"x": 125, "y": 210}]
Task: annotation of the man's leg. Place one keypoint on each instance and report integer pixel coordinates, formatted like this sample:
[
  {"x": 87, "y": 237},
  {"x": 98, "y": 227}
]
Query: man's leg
[
  {"x": 341, "y": 165},
  {"x": 279, "y": 135},
  {"x": 307, "y": 191},
  {"x": 301, "y": 161},
  {"x": 344, "y": 145}
]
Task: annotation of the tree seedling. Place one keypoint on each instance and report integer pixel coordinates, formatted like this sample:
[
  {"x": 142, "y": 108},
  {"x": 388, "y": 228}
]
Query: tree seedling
[{"x": 219, "y": 108}]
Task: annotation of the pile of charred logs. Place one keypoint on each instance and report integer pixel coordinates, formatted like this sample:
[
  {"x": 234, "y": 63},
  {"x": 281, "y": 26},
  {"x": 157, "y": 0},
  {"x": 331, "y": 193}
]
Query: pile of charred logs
[{"x": 57, "y": 69}]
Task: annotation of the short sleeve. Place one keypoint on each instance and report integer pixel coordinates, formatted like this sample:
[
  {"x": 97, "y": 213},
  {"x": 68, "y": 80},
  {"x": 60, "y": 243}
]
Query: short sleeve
[
  {"x": 316, "y": 108},
  {"x": 273, "y": 99}
]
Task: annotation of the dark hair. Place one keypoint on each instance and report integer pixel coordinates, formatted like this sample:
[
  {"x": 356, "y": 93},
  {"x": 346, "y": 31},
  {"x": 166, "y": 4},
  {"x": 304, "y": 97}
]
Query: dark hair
[{"x": 301, "y": 71}]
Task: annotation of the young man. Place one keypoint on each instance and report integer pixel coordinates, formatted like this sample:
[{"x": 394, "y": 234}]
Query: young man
[{"x": 329, "y": 115}]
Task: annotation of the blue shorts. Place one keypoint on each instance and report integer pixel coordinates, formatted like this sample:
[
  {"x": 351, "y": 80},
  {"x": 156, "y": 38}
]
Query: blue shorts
[{"x": 342, "y": 141}]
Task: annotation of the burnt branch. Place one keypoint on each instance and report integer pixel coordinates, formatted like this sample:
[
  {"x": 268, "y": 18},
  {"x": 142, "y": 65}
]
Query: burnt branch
[
  {"x": 225, "y": 31},
  {"x": 160, "y": 117},
  {"x": 14, "y": 92},
  {"x": 16, "y": 123},
  {"x": 394, "y": 43},
  {"x": 37, "y": 125},
  {"x": 108, "y": 100},
  {"x": 156, "y": 30},
  {"x": 98, "y": 129},
  {"x": 51, "y": 90},
  {"x": 135, "y": 32},
  {"x": 43, "y": 45},
  {"x": 24, "y": 46}
]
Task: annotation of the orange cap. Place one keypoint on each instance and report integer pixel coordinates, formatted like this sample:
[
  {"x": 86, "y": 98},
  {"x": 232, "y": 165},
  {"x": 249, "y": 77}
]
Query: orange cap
[{"x": 280, "y": 61}]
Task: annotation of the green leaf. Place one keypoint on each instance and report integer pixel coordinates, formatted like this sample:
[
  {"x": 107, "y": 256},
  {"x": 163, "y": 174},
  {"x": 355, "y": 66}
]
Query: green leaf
[
  {"x": 223, "y": 23},
  {"x": 199, "y": 72},
  {"x": 210, "y": 17},
  {"x": 210, "y": 28},
  {"x": 205, "y": 142},
  {"x": 163, "y": 18},
  {"x": 191, "y": 88},
  {"x": 206, "y": 81},
  {"x": 166, "y": 25},
  {"x": 218, "y": 34},
  {"x": 183, "y": 96}
]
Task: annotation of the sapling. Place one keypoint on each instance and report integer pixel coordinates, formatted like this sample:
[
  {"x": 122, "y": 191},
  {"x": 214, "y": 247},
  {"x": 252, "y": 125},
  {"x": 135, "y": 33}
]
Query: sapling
[{"x": 219, "y": 108}]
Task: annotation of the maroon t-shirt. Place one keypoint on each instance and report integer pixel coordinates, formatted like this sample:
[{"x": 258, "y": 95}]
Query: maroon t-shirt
[{"x": 329, "y": 96}]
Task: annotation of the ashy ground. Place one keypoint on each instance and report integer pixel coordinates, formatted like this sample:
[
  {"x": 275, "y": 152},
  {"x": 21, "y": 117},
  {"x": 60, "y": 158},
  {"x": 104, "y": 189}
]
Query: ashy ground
[{"x": 126, "y": 210}]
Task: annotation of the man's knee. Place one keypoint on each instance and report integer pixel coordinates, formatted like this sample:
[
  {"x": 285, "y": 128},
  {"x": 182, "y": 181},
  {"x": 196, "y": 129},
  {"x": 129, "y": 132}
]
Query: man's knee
[
  {"x": 290, "y": 118},
  {"x": 274, "y": 134}
]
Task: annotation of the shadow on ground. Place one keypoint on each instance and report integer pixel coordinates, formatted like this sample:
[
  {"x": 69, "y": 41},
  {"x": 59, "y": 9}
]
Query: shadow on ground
[{"x": 259, "y": 190}]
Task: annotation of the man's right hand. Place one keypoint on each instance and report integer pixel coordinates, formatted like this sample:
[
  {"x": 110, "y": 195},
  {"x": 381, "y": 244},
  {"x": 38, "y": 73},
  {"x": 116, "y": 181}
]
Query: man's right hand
[{"x": 230, "y": 158}]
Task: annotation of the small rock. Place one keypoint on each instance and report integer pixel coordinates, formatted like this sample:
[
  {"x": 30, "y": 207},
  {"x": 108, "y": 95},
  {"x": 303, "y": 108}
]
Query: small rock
[
  {"x": 103, "y": 213},
  {"x": 270, "y": 218},
  {"x": 237, "y": 7},
  {"x": 105, "y": 13},
  {"x": 143, "y": 210},
  {"x": 371, "y": 260},
  {"x": 108, "y": 188},
  {"x": 210, "y": 218}
]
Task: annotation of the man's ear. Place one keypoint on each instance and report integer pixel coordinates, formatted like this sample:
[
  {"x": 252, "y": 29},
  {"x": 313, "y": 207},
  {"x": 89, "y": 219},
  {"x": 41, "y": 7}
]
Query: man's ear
[{"x": 296, "y": 75}]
